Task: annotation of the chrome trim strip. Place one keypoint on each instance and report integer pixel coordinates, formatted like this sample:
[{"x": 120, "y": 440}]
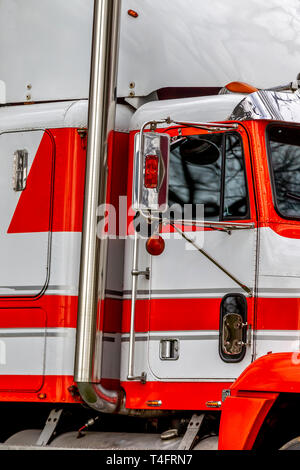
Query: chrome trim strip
[
  {"x": 267, "y": 104},
  {"x": 174, "y": 335}
]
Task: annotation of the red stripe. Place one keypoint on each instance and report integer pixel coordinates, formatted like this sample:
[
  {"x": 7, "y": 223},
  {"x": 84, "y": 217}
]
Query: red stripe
[
  {"x": 173, "y": 314},
  {"x": 166, "y": 314},
  {"x": 36, "y": 388},
  {"x": 203, "y": 314},
  {"x": 278, "y": 314},
  {"x": 111, "y": 319},
  {"x": 59, "y": 311},
  {"x": 174, "y": 395}
]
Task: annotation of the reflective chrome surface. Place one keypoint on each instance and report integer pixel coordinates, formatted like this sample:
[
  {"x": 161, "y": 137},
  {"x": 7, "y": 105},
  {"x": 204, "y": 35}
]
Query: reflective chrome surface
[
  {"x": 93, "y": 250},
  {"x": 134, "y": 274},
  {"x": 272, "y": 105},
  {"x": 145, "y": 198},
  {"x": 232, "y": 337},
  {"x": 20, "y": 170},
  {"x": 169, "y": 349}
]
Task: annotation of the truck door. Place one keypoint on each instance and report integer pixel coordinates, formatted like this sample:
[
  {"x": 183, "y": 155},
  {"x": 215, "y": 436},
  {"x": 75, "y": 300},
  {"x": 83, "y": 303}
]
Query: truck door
[
  {"x": 26, "y": 174},
  {"x": 25, "y": 199},
  {"x": 201, "y": 286}
]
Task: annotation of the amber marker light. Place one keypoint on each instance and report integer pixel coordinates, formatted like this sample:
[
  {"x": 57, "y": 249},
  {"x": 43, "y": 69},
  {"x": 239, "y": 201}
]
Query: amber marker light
[
  {"x": 240, "y": 87},
  {"x": 154, "y": 403},
  {"x": 155, "y": 245},
  {"x": 42, "y": 396},
  {"x": 213, "y": 404},
  {"x": 133, "y": 14}
]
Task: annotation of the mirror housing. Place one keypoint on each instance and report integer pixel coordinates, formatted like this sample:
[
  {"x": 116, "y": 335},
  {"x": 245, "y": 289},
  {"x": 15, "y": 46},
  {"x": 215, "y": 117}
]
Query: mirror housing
[{"x": 150, "y": 177}]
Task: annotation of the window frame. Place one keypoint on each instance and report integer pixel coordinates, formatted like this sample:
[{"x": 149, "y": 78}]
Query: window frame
[
  {"x": 247, "y": 216},
  {"x": 271, "y": 169}
]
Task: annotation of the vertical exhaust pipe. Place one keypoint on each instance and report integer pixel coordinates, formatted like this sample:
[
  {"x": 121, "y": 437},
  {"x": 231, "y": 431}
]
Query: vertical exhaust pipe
[{"x": 102, "y": 104}]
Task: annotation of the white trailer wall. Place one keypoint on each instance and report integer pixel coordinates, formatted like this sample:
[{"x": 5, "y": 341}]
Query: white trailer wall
[{"x": 45, "y": 45}]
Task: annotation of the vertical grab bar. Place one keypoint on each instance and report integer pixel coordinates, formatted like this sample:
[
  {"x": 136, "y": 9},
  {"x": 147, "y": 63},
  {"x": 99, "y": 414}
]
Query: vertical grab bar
[{"x": 135, "y": 273}]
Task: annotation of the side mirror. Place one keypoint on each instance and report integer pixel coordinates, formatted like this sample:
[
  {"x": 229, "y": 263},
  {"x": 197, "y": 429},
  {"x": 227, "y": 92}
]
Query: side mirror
[{"x": 150, "y": 177}]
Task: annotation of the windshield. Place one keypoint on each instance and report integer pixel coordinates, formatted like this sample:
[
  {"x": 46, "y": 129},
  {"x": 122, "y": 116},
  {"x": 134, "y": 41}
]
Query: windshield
[{"x": 284, "y": 149}]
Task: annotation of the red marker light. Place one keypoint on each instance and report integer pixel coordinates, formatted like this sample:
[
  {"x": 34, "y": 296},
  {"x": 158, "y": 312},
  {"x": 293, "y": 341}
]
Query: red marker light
[
  {"x": 155, "y": 245},
  {"x": 151, "y": 172},
  {"x": 133, "y": 13}
]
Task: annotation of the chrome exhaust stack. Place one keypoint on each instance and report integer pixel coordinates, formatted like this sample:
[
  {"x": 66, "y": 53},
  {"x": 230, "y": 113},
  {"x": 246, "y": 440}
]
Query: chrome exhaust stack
[{"x": 102, "y": 106}]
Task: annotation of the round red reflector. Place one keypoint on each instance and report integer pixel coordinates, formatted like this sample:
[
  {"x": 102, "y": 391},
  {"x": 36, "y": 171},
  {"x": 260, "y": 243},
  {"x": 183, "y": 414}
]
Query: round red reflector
[{"x": 155, "y": 245}]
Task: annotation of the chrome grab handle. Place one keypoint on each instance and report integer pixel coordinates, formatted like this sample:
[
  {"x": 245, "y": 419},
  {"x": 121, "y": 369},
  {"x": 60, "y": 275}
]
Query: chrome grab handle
[{"x": 135, "y": 273}]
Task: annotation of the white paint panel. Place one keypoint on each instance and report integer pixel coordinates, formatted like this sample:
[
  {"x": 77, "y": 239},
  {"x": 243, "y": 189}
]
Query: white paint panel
[
  {"x": 184, "y": 272},
  {"x": 56, "y": 115},
  {"x": 24, "y": 257},
  {"x": 180, "y": 267},
  {"x": 185, "y": 43},
  {"x": 274, "y": 341},
  {"x": 65, "y": 263},
  {"x": 45, "y": 44},
  {"x": 198, "y": 356},
  {"x": 279, "y": 256},
  {"x": 38, "y": 351},
  {"x": 279, "y": 265},
  {"x": 203, "y": 109},
  {"x": 64, "y": 266},
  {"x": 60, "y": 351},
  {"x": 208, "y": 43},
  {"x": 24, "y": 351},
  {"x": 48, "y": 351}
]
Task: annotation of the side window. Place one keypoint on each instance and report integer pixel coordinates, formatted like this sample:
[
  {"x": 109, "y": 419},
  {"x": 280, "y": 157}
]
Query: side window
[
  {"x": 284, "y": 152},
  {"x": 195, "y": 173},
  {"x": 209, "y": 169},
  {"x": 235, "y": 189}
]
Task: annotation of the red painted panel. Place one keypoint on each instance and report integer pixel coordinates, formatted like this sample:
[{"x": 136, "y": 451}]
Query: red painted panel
[
  {"x": 278, "y": 314},
  {"x": 174, "y": 314},
  {"x": 52, "y": 389},
  {"x": 184, "y": 313},
  {"x": 22, "y": 318},
  {"x": 64, "y": 149},
  {"x": 174, "y": 395},
  {"x": 69, "y": 180},
  {"x": 267, "y": 214},
  {"x": 113, "y": 316},
  {"x": 61, "y": 312},
  {"x": 32, "y": 213},
  {"x": 241, "y": 420},
  {"x": 277, "y": 372}
]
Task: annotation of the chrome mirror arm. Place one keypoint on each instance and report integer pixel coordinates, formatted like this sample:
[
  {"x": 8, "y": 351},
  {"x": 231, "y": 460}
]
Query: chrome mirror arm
[{"x": 226, "y": 226}]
